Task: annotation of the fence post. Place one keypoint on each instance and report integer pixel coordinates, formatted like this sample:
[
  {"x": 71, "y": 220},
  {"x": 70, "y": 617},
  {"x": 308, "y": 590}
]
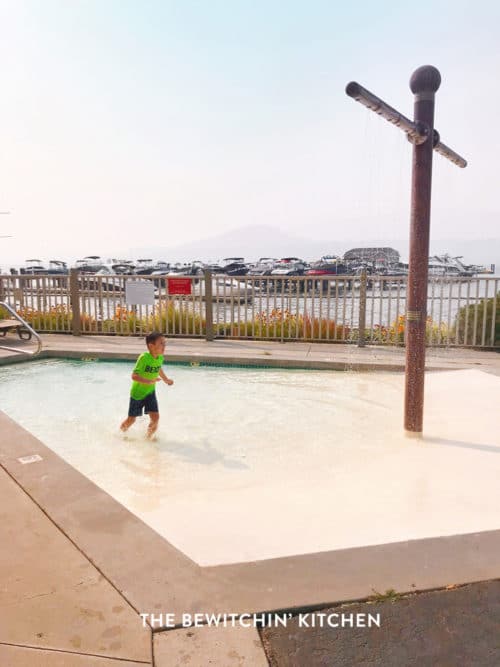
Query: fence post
[
  {"x": 209, "y": 315},
  {"x": 74, "y": 299},
  {"x": 362, "y": 309}
]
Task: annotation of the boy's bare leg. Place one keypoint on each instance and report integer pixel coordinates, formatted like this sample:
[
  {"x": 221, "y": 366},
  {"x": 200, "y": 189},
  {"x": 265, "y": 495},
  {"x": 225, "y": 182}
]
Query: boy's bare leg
[
  {"x": 127, "y": 424},
  {"x": 154, "y": 418}
]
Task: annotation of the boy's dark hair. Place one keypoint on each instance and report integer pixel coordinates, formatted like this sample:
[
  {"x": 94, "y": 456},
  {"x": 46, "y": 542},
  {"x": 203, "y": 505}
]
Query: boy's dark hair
[{"x": 153, "y": 337}]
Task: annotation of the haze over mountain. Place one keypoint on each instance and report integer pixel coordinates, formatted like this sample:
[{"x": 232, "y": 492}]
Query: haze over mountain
[
  {"x": 166, "y": 125},
  {"x": 257, "y": 241}
]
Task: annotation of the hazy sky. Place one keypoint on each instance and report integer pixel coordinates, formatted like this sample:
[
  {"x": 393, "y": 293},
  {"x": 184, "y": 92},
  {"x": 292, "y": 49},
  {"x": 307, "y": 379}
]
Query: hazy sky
[{"x": 127, "y": 123}]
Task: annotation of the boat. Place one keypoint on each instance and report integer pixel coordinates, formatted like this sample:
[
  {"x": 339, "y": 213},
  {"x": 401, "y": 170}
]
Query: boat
[
  {"x": 234, "y": 266},
  {"x": 398, "y": 270},
  {"x": 55, "y": 268},
  {"x": 122, "y": 267},
  {"x": 160, "y": 265},
  {"x": 90, "y": 264},
  {"x": 236, "y": 269},
  {"x": 444, "y": 265},
  {"x": 185, "y": 269},
  {"x": 227, "y": 290},
  {"x": 376, "y": 257},
  {"x": 106, "y": 280},
  {"x": 214, "y": 267},
  {"x": 58, "y": 268},
  {"x": 290, "y": 266},
  {"x": 178, "y": 269},
  {"x": 34, "y": 267},
  {"x": 328, "y": 265},
  {"x": 263, "y": 267},
  {"x": 453, "y": 266},
  {"x": 479, "y": 268},
  {"x": 231, "y": 260},
  {"x": 144, "y": 267}
]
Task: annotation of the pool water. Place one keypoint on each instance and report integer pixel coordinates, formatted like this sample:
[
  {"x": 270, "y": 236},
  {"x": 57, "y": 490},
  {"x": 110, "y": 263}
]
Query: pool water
[
  {"x": 250, "y": 463},
  {"x": 213, "y": 420}
]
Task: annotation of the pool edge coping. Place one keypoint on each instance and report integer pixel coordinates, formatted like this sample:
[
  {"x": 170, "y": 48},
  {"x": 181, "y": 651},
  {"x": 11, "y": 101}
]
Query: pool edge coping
[{"x": 226, "y": 361}]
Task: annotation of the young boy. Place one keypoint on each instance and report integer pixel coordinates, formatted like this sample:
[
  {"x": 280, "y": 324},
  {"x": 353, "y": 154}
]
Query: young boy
[{"x": 145, "y": 376}]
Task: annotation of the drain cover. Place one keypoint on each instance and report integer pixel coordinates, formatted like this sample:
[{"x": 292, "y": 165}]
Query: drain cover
[{"x": 30, "y": 459}]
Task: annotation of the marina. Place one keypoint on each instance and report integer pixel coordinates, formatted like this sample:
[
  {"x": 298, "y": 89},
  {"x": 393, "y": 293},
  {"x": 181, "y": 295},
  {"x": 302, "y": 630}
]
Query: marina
[
  {"x": 360, "y": 297},
  {"x": 375, "y": 261},
  {"x": 336, "y": 308}
]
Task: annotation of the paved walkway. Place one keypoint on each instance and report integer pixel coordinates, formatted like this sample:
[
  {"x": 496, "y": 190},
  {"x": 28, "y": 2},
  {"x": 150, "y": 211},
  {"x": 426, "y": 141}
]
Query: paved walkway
[
  {"x": 305, "y": 355},
  {"x": 56, "y": 608}
]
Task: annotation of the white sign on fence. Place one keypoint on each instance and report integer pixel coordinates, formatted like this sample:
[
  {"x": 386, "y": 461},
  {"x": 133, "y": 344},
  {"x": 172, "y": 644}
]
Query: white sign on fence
[{"x": 139, "y": 293}]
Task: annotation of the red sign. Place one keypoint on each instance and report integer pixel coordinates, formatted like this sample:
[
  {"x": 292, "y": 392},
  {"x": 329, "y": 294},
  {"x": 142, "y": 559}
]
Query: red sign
[{"x": 179, "y": 285}]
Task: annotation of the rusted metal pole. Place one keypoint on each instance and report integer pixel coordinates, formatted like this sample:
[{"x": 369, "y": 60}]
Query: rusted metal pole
[{"x": 424, "y": 83}]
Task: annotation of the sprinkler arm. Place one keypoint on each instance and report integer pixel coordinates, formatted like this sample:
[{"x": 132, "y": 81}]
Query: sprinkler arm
[{"x": 417, "y": 133}]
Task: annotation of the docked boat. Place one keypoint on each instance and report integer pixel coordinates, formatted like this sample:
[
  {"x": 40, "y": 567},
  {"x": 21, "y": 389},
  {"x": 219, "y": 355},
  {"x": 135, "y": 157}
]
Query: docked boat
[
  {"x": 214, "y": 267},
  {"x": 398, "y": 270},
  {"x": 90, "y": 264},
  {"x": 375, "y": 258},
  {"x": 105, "y": 280},
  {"x": 479, "y": 268},
  {"x": 122, "y": 267},
  {"x": 185, "y": 269},
  {"x": 443, "y": 265},
  {"x": 231, "y": 260},
  {"x": 58, "y": 268},
  {"x": 328, "y": 265},
  {"x": 290, "y": 266},
  {"x": 236, "y": 269},
  {"x": 263, "y": 267},
  {"x": 144, "y": 267},
  {"x": 34, "y": 267},
  {"x": 161, "y": 275},
  {"x": 159, "y": 265},
  {"x": 234, "y": 266},
  {"x": 227, "y": 290},
  {"x": 446, "y": 265}
]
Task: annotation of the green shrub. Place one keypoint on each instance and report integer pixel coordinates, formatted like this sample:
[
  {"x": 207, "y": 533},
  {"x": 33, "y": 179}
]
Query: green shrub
[{"x": 466, "y": 316}]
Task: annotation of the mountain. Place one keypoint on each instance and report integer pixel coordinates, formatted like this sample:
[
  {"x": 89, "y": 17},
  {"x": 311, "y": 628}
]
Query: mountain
[
  {"x": 266, "y": 241},
  {"x": 248, "y": 242}
]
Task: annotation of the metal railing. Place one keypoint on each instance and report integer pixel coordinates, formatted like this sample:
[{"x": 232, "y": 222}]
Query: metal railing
[
  {"x": 461, "y": 311},
  {"x": 25, "y": 326}
]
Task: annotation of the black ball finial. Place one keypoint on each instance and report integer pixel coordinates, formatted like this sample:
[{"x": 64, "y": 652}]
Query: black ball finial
[{"x": 425, "y": 79}]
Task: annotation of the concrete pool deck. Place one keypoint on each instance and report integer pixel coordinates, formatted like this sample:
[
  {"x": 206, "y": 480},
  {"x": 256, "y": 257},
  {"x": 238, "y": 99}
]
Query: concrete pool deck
[
  {"x": 115, "y": 567},
  {"x": 266, "y": 353}
]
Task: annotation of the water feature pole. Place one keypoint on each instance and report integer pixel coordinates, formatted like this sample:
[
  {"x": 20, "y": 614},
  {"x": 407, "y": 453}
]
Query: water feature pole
[{"x": 424, "y": 83}]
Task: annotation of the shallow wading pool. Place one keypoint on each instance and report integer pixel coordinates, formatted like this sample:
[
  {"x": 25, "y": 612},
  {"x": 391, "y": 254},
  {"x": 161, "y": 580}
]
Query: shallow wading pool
[{"x": 261, "y": 463}]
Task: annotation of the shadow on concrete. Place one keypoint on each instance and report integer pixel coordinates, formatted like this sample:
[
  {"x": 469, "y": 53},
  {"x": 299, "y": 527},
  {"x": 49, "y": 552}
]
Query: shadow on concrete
[
  {"x": 204, "y": 453},
  {"x": 493, "y": 449}
]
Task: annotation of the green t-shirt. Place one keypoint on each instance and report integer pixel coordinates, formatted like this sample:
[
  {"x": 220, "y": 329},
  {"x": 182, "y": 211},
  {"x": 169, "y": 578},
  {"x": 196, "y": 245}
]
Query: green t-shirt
[{"x": 147, "y": 367}]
